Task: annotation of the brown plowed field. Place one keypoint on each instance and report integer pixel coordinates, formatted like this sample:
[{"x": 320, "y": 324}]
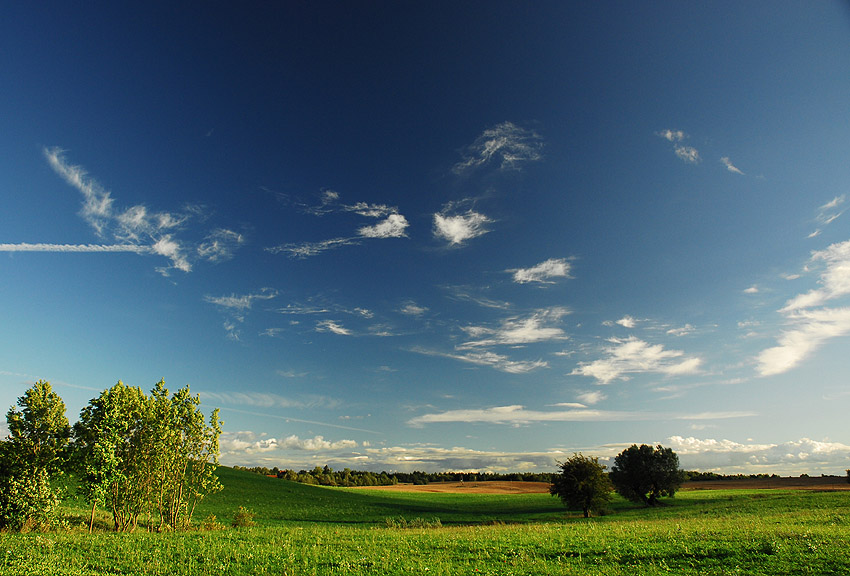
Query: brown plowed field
[{"x": 784, "y": 483}]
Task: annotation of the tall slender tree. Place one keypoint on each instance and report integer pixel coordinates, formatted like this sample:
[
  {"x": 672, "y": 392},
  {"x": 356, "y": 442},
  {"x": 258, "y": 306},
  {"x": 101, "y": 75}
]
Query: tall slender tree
[{"x": 34, "y": 451}]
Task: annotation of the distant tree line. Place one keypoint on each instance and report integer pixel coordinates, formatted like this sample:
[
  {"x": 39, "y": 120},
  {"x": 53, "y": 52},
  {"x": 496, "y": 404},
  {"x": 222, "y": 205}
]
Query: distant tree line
[
  {"x": 132, "y": 453},
  {"x": 694, "y": 476},
  {"x": 327, "y": 476}
]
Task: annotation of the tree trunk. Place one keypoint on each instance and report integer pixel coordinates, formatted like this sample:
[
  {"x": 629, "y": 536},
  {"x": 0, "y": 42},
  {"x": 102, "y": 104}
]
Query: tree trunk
[{"x": 91, "y": 522}]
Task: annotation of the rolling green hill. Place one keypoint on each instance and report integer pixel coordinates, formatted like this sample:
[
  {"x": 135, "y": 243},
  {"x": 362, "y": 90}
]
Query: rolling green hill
[{"x": 278, "y": 501}]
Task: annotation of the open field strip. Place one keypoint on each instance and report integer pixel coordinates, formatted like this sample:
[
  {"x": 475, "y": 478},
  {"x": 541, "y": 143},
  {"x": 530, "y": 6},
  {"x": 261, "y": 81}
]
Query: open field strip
[{"x": 698, "y": 532}]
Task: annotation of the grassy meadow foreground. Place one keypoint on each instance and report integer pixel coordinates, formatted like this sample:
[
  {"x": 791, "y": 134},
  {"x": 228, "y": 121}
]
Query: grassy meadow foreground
[{"x": 312, "y": 530}]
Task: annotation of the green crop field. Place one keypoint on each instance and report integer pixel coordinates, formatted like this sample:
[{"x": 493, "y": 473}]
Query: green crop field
[{"x": 311, "y": 530}]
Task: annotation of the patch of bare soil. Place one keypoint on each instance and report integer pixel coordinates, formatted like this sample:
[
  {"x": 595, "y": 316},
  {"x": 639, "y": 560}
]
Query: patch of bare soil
[
  {"x": 470, "y": 487},
  {"x": 830, "y": 483}
]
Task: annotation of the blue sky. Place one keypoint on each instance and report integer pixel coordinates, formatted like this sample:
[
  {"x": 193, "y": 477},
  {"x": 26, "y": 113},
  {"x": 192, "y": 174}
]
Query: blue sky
[{"x": 468, "y": 236}]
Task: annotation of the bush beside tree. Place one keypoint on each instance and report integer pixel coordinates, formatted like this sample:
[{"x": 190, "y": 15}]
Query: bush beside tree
[{"x": 582, "y": 485}]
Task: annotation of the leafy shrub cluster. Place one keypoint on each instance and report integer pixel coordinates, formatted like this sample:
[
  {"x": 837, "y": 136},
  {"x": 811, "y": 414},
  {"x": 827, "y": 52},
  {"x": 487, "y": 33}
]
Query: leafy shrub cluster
[{"x": 133, "y": 452}]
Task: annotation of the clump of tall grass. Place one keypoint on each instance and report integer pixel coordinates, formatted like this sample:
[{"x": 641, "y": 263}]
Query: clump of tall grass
[
  {"x": 243, "y": 518},
  {"x": 400, "y": 522}
]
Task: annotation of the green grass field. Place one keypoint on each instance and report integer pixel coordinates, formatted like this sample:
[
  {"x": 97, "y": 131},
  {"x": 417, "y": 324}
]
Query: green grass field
[{"x": 311, "y": 530}]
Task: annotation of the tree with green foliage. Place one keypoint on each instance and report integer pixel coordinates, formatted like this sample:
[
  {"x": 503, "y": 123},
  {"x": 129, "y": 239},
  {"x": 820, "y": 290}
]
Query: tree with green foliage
[
  {"x": 644, "y": 474},
  {"x": 147, "y": 453},
  {"x": 34, "y": 452},
  {"x": 109, "y": 441},
  {"x": 582, "y": 485},
  {"x": 185, "y": 451}
]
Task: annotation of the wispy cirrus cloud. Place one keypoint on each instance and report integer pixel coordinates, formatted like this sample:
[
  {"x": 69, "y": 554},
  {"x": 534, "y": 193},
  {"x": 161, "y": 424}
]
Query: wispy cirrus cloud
[
  {"x": 332, "y": 327},
  {"x": 235, "y": 307},
  {"x": 809, "y": 323},
  {"x": 135, "y": 229},
  {"x": 392, "y": 225},
  {"x": 505, "y": 145},
  {"x": 544, "y": 272},
  {"x": 242, "y": 302},
  {"x": 487, "y": 358},
  {"x": 634, "y": 356},
  {"x": 808, "y": 331},
  {"x": 269, "y": 400},
  {"x": 456, "y": 226},
  {"x": 834, "y": 280},
  {"x": 729, "y": 166},
  {"x": 538, "y": 327},
  {"x": 413, "y": 309},
  {"x": 520, "y": 415},
  {"x": 828, "y": 213},
  {"x": 476, "y": 295}
]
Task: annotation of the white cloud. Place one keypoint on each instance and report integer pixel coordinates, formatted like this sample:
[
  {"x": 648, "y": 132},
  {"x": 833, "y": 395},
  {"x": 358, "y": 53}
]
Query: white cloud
[
  {"x": 150, "y": 232},
  {"x": 219, "y": 245},
  {"x": 307, "y": 249},
  {"x": 516, "y": 415},
  {"x": 515, "y": 331},
  {"x": 681, "y": 331},
  {"x": 243, "y": 302},
  {"x": 723, "y": 456},
  {"x": 827, "y": 214},
  {"x": 505, "y": 144},
  {"x": 543, "y": 272},
  {"x": 457, "y": 229},
  {"x": 393, "y": 226},
  {"x": 79, "y": 248},
  {"x": 236, "y": 306},
  {"x": 632, "y": 356},
  {"x": 687, "y": 153},
  {"x": 413, "y": 309},
  {"x": 491, "y": 359},
  {"x": 371, "y": 210},
  {"x": 790, "y": 457},
  {"x": 97, "y": 202},
  {"x": 729, "y": 166},
  {"x": 627, "y": 322},
  {"x": 591, "y": 397},
  {"x": 672, "y": 135},
  {"x": 268, "y": 400},
  {"x": 332, "y": 327},
  {"x": 834, "y": 281},
  {"x": 247, "y": 443},
  {"x": 810, "y": 329},
  {"x": 173, "y": 250},
  {"x": 472, "y": 294}
]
